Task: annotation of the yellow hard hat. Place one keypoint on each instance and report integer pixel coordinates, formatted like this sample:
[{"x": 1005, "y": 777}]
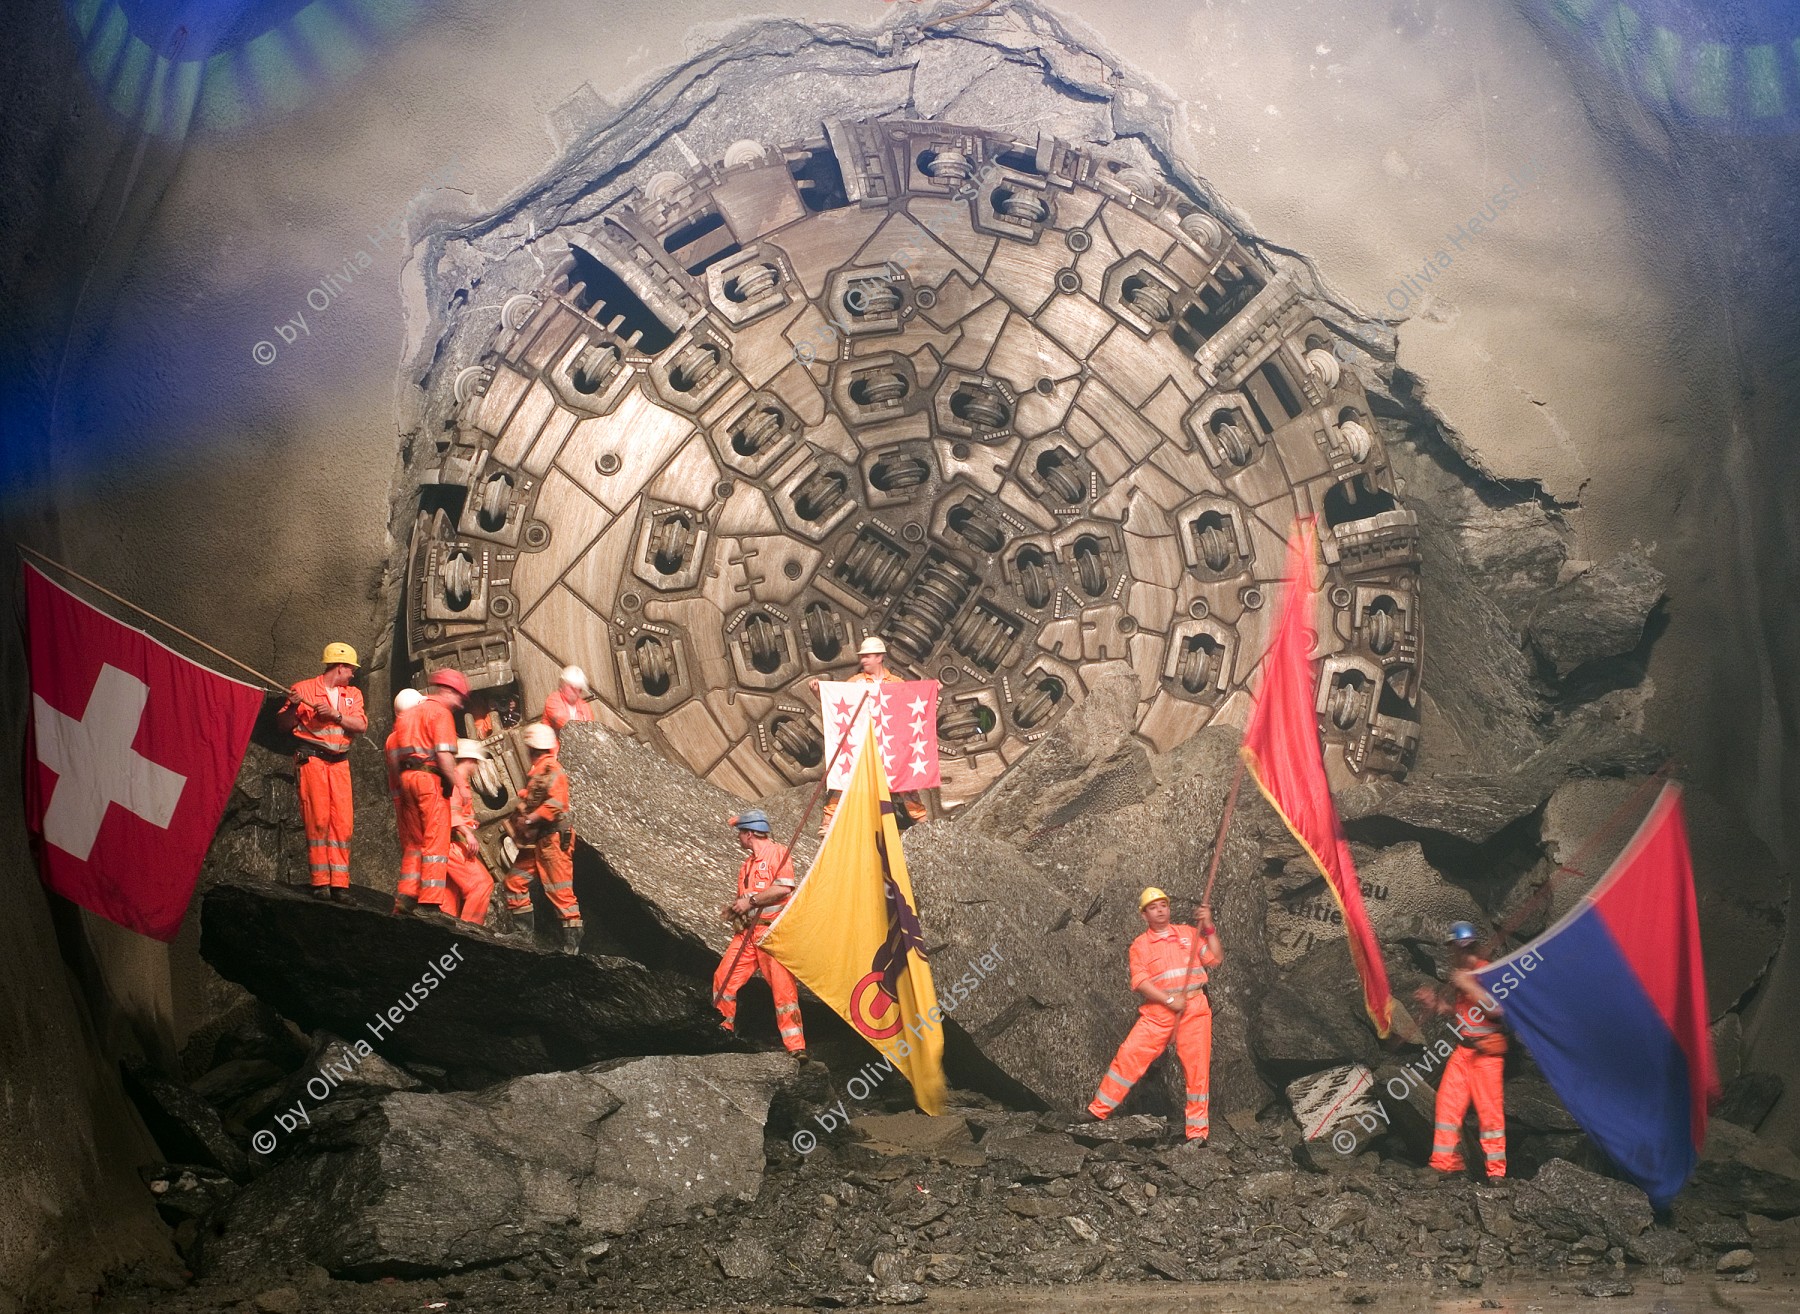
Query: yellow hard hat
[
  {"x": 340, "y": 652},
  {"x": 1150, "y": 895}
]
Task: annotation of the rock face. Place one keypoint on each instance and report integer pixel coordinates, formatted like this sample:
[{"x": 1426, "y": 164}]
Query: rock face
[
  {"x": 1599, "y": 613},
  {"x": 1740, "y": 889},
  {"x": 495, "y": 1010},
  {"x": 552, "y": 1163}
]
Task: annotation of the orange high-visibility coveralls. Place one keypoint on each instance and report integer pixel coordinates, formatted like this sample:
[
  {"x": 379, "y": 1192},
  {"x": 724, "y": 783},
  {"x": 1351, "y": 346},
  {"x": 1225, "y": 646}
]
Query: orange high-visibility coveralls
[
  {"x": 544, "y": 804},
  {"x": 1472, "y": 1075},
  {"x": 559, "y": 711},
  {"x": 767, "y": 863},
  {"x": 915, "y": 810},
  {"x": 323, "y": 767},
  {"x": 423, "y": 733},
  {"x": 410, "y": 852},
  {"x": 1169, "y": 961},
  {"x": 471, "y": 886}
]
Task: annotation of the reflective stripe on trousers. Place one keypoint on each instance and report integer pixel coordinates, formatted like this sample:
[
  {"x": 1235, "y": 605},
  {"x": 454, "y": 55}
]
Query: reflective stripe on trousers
[
  {"x": 736, "y": 968},
  {"x": 1470, "y": 1078},
  {"x": 1150, "y": 1035},
  {"x": 552, "y": 861},
  {"x": 327, "y": 812}
]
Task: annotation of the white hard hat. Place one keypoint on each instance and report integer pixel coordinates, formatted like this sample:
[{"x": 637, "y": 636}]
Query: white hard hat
[
  {"x": 469, "y": 748},
  {"x": 540, "y": 736},
  {"x": 869, "y": 645},
  {"x": 406, "y": 699},
  {"x": 574, "y": 675}
]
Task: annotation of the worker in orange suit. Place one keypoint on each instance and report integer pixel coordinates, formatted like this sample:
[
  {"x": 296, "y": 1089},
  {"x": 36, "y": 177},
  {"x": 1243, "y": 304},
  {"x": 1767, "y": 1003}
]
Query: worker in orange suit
[
  {"x": 426, "y": 757},
  {"x": 324, "y": 714},
  {"x": 410, "y": 852},
  {"x": 871, "y": 660},
  {"x": 568, "y": 701},
  {"x": 1473, "y": 1073},
  {"x": 470, "y": 884},
  {"x": 765, "y": 882},
  {"x": 544, "y": 830},
  {"x": 1168, "y": 969}
]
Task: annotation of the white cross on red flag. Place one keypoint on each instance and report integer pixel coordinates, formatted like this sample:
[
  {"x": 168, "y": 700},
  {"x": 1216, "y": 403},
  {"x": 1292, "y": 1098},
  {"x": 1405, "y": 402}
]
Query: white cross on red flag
[
  {"x": 131, "y": 751},
  {"x": 904, "y": 716}
]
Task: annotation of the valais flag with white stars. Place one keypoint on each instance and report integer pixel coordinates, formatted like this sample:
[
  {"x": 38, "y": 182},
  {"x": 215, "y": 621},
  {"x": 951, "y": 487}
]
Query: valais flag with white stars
[
  {"x": 131, "y": 751},
  {"x": 904, "y": 716}
]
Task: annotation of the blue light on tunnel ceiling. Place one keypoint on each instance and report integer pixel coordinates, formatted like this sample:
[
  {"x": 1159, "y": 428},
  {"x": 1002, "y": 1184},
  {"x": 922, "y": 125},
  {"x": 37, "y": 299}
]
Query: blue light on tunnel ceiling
[
  {"x": 1727, "y": 65},
  {"x": 173, "y": 66}
]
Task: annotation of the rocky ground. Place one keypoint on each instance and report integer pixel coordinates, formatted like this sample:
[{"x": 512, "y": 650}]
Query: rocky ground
[{"x": 899, "y": 1207}]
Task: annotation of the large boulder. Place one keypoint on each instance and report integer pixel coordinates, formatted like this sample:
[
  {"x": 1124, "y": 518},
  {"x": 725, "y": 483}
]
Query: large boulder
[
  {"x": 1570, "y": 1202},
  {"x": 1740, "y": 1172},
  {"x": 1049, "y": 866},
  {"x": 550, "y": 1164},
  {"x": 463, "y": 1003},
  {"x": 659, "y": 829},
  {"x": 1406, "y": 898}
]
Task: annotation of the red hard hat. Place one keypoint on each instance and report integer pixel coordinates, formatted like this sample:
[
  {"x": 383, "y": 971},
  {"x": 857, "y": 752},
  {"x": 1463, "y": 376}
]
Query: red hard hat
[{"x": 448, "y": 678}]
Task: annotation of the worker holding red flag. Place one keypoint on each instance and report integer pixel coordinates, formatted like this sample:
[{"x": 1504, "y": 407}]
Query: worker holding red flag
[
  {"x": 1282, "y": 752},
  {"x": 1168, "y": 970}
]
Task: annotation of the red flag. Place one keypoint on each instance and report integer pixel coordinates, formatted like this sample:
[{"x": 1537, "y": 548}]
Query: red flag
[
  {"x": 904, "y": 714},
  {"x": 1281, "y": 749},
  {"x": 131, "y": 752}
]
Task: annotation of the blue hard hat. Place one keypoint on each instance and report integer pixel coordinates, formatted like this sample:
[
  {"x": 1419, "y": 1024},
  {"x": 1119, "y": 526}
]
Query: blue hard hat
[
  {"x": 753, "y": 820},
  {"x": 1462, "y": 933}
]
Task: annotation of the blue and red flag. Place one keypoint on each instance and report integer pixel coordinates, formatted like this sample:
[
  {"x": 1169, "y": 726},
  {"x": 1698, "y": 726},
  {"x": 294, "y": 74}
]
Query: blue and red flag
[{"x": 1611, "y": 1001}]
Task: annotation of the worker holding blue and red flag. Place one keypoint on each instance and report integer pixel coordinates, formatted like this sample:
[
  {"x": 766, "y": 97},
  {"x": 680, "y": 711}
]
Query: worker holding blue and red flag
[
  {"x": 1611, "y": 1002},
  {"x": 1472, "y": 1075}
]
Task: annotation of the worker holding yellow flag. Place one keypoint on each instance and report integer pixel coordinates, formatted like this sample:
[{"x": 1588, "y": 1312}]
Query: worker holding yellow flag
[{"x": 851, "y": 933}]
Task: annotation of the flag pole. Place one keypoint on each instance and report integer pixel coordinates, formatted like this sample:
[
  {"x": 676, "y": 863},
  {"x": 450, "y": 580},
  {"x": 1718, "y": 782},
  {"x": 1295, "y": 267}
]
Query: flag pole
[
  {"x": 1213, "y": 870},
  {"x": 269, "y": 681}
]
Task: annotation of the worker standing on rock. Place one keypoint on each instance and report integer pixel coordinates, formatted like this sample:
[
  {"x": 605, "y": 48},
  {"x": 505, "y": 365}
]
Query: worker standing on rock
[
  {"x": 324, "y": 714},
  {"x": 1168, "y": 969},
  {"x": 471, "y": 885},
  {"x": 544, "y": 829},
  {"x": 568, "y": 701},
  {"x": 1473, "y": 1073},
  {"x": 765, "y": 882},
  {"x": 426, "y": 754},
  {"x": 871, "y": 659},
  {"x": 410, "y": 852}
]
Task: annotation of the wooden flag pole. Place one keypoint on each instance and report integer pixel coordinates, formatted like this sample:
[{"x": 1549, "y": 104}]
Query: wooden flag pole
[
  {"x": 1213, "y": 869},
  {"x": 269, "y": 681}
]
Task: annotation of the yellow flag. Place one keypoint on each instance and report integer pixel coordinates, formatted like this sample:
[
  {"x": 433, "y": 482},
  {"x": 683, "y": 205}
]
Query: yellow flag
[{"x": 851, "y": 933}]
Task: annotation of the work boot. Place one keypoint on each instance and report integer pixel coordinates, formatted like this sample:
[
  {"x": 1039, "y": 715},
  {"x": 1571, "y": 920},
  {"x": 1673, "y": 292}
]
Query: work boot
[
  {"x": 340, "y": 894},
  {"x": 571, "y": 937},
  {"x": 404, "y": 905},
  {"x": 321, "y": 891},
  {"x": 801, "y": 1056},
  {"x": 524, "y": 926}
]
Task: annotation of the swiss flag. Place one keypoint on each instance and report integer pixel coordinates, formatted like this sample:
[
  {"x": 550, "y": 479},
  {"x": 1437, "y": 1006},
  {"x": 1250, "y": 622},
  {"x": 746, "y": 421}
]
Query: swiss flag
[
  {"x": 131, "y": 751},
  {"x": 904, "y": 716}
]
